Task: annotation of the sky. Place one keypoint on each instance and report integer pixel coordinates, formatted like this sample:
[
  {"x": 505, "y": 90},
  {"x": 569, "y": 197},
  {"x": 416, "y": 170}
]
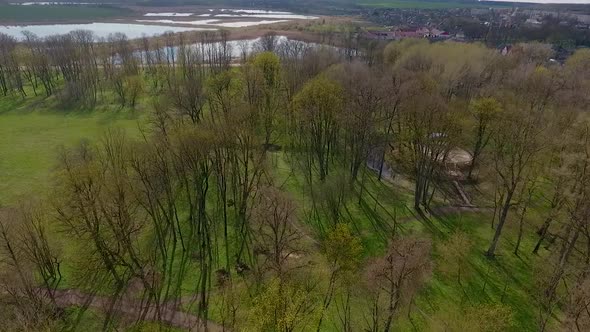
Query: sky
[{"x": 546, "y": 1}]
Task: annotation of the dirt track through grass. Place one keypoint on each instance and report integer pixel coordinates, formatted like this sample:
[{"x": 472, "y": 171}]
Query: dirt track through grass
[{"x": 133, "y": 309}]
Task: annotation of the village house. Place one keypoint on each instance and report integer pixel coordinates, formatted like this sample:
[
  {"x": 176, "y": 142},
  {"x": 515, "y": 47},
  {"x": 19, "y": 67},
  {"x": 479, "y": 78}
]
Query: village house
[
  {"x": 422, "y": 32},
  {"x": 381, "y": 35},
  {"x": 408, "y": 33},
  {"x": 533, "y": 22}
]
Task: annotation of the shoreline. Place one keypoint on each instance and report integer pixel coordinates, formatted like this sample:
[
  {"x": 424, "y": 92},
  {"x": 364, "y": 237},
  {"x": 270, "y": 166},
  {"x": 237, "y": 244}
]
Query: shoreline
[{"x": 294, "y": 29}]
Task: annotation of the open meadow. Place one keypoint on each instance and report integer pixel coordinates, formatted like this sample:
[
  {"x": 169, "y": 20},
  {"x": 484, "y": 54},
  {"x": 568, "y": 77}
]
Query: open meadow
[{"x": 33, "y": 130}]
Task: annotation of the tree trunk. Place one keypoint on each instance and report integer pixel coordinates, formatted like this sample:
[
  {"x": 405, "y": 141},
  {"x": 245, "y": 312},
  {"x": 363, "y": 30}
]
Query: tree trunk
[
  {"x": 520, "y": 229},
  {"x": 503, "y": 216},
  {"x": 327, "y": 299},
  {"x": 472, "y": 167},
  {"x": 381, "y": 165},
  {"x": 417, "y": 194},
  {"x": 559, "y": 270},
  {"x": 543, "y": 232}
]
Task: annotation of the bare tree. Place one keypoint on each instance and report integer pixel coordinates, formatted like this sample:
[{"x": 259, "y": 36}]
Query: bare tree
[
  {"x": 398, "y": 276},
  {"x": 275, "y": 233}
]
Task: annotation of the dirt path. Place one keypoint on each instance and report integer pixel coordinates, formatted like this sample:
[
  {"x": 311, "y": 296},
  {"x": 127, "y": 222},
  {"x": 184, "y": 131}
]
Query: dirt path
[
  {"x": 462, "y": 193},
  {"x": 132, "y": 309},
  {"x": 465, "y": 206}
]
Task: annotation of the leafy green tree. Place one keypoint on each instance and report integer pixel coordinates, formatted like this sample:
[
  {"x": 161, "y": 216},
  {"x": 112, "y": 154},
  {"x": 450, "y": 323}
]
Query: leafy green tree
[
  {"x": 526, "y": 128},
  {"x": 343, "y": 251},
  {"x": 318, "y": 105},
  {"x": 481, "y": 318},
  {"x": 280, "y": 307},
  {"x": 484, "y": 112},
  {"x": 263, "y": 80},
  {"x": 455, "y": 254}
]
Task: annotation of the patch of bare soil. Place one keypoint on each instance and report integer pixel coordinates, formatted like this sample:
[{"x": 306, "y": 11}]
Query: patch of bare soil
[{"x": 459, "y": 157}]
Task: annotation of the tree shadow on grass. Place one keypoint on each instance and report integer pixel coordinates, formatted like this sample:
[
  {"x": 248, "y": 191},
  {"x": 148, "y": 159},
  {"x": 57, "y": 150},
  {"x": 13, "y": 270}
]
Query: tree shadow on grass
[
  {"x": 438, "y": 223},
  {"x": 10, "y": 104}
]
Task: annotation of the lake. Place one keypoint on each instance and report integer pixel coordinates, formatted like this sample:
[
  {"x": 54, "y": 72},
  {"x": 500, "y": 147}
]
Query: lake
[
  {"x": 236, "y": 48},
  {"x": 216, "y": 22},
  {"x": 101, "y": 30},
  {"x": 237, "y": 13},
  {"x": 226, "y": 18}
]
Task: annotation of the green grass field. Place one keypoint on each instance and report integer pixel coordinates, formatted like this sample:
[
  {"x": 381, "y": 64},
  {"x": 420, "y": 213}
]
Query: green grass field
[
  {"x": 17, "y": 14},
  {"x": 32, "y": 131},
  {"x": 507, "y": 280}
]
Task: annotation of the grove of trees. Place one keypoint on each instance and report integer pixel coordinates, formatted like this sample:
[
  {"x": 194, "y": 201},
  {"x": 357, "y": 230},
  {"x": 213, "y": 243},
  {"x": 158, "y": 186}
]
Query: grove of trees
[{"x": 265, "y": 192}]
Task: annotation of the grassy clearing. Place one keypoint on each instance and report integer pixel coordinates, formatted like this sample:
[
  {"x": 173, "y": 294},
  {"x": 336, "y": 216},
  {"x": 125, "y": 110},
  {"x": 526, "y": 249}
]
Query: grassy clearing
[
  {"x": 33, "y": 130},
  {"x": 507, "y": 280},
  {"x": 52, "y": 13}
]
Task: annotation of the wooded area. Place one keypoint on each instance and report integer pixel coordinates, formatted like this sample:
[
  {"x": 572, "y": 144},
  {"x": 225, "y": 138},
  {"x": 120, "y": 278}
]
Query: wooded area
[{"x": 305, "y": 187}]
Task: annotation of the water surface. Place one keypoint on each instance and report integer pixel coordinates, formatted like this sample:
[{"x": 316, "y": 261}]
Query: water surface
[
  {"x": 216, "y": 22},
  {"x": 238, "y": 13},
  {"x": 169, "y": 14},
  {"x": 101, "y": 30},
  {"x": 253, "y": 11},
  {"x": 281, "y": 16},
  {"x": 235, "y": 48},
  {"x": 243, "y": 24}
]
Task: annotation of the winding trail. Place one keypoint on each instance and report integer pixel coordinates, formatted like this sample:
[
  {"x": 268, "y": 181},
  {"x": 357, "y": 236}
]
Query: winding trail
[{"x": 133, "y": 309}]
